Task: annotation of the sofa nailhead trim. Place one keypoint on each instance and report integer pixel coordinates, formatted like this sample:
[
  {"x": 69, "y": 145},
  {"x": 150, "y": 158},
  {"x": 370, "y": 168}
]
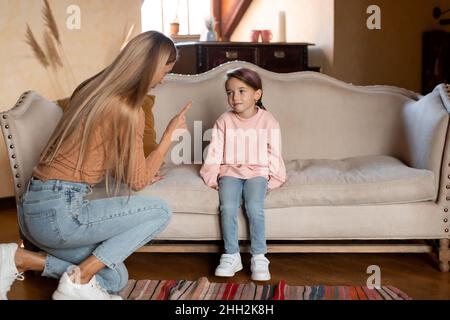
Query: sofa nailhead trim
[
  {"x": 5, "y": 116},
  {"x": 446, "y": 230},
  {"x": 448, "y": 198},
  {"x": 13, "y": 156},
  {"x": 445, "y": 220},
  {"x": 16, "y": 166},
  {"x": 11, "y": 146},
  {"x": 19, "y": 186},
  {"x": 7, "y": 127},
  {"x": 10, "y": 137},
  {"x": 17, "y": 175},
  {"x": 445, "y": 210},
  {"x": 448, "y": 187}
]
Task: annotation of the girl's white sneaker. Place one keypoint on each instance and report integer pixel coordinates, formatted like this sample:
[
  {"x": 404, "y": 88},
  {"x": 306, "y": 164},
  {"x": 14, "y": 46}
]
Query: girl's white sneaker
[
  {"x": 229, "y": 265},
  {"x": 260, "y": 268},
  {"x": 8, "y": 269}
]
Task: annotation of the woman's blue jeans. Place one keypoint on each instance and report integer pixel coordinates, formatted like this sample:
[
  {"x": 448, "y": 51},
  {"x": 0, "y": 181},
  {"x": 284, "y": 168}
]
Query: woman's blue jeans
[
  {"x": 253, "y": 191},
  {"x": 56, "y": 216}
]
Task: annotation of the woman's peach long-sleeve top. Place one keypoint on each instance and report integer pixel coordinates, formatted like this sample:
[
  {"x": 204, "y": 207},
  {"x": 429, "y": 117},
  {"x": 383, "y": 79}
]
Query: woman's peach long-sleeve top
[{"x": 64, "y": 165}]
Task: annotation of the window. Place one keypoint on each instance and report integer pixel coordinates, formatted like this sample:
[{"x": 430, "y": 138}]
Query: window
[{"x": 191, "y": 15}]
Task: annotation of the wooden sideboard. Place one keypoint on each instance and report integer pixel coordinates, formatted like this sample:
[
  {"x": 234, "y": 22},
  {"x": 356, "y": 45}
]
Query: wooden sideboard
[
  {"x": 436, "y": 59},
  {"x": 198, "y": 57}
]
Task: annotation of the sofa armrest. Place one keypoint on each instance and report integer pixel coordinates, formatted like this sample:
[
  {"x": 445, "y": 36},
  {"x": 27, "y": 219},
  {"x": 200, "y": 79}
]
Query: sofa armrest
[
  {"x": 426, "y": 131},
  {"x": 26, "y": 129},
  {"x": 444, "y": 178}
]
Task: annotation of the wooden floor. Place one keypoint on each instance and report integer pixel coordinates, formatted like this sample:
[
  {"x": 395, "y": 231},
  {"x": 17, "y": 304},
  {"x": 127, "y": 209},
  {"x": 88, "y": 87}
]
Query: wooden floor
[{"x": 415, "y": 274}]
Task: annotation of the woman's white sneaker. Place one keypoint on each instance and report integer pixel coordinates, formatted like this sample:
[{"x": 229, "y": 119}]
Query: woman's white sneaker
[
  {"x": 229, "y": 265},
  {"x": 260, "y": 268},
  {"x": 68, "y": 290},
  {"x": 8, "y": 269}
]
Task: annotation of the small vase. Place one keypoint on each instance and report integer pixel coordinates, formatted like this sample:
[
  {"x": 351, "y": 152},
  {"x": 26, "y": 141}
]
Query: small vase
[
  {"x": 210, "y": 35},
  {"x": 174, "y": 28}
]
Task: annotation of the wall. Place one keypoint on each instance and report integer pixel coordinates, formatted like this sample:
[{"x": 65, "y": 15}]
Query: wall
[
  {"x": 392, "y": 55},
  {"x": 345, "y": 48},
  {"x": 104, "y": 25},
  {"x": 306, "y": 21}
]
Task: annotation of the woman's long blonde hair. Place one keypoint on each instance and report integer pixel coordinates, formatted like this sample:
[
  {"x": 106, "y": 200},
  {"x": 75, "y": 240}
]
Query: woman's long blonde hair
[{"x": 119, "y": 89}]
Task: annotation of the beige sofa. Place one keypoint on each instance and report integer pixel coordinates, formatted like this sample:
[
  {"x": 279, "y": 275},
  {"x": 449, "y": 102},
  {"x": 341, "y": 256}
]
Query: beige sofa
[{"x": 368, "y": 167}]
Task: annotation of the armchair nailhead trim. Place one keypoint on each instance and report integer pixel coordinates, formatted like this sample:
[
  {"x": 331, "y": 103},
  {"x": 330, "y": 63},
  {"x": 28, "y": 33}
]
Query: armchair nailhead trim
[
  {"x": 446, "y": 230},
  {"x": 11, "y": 146},
  {"x": 447, "y": 198},
  {"x": 448, "y": 187},
  {"x": 22, "y": 97},
  {"x": 445, "y": 210},
  {"x": 445, "y": 220}
]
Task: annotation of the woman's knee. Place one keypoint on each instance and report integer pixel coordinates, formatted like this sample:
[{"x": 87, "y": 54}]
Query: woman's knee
[
  {"x": 165, "y": 210},
  {"x": 157, "y": 204}
]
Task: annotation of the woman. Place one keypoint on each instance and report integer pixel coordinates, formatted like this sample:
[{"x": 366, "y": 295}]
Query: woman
[{"x": 99, "y": 137}]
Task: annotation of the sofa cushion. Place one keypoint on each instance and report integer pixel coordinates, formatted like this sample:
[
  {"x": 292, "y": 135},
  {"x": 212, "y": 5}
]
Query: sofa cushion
[
  {"x": 184, "y": 190},
  {"x": 361, "y": 180}
]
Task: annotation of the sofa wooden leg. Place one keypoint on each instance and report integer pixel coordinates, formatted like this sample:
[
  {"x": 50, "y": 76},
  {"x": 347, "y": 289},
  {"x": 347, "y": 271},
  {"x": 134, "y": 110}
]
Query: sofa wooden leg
[{"x": 444, "y": 255}]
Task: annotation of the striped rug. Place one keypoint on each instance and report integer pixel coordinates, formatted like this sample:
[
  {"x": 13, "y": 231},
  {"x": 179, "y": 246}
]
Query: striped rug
[{"x": 202, "y": 289}]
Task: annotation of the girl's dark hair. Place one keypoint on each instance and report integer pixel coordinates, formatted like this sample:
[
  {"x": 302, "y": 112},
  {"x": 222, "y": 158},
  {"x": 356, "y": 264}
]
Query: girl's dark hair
[{"x": 250, "y": 78}]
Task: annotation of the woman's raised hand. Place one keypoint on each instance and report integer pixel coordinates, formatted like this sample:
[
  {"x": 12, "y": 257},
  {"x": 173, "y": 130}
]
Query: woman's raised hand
[{"x": 179, "y": 121}]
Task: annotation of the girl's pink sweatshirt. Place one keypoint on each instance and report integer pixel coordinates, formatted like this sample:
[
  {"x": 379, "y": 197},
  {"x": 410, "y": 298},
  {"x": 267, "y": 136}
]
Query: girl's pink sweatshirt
[{"x": 245, "y": 149}]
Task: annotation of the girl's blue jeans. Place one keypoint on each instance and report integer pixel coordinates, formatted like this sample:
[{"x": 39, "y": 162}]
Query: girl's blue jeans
[
  {"x": 253, "y": 191},
  {"x": 56, "y": 216}
]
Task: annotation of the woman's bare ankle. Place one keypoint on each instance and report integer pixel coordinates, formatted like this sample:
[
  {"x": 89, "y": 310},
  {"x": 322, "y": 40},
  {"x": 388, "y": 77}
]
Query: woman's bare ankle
[
  {"x": 79, "y": 276},
  {"x": 20, "y": 259},
  {"x": 26, "y": 260}
]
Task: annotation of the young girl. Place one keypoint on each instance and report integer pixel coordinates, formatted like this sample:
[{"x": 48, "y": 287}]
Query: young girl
[
  {"x": 99, "y": 137},
  {"x": 243, "y": 161}
]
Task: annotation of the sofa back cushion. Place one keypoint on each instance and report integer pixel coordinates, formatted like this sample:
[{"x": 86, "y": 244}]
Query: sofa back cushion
[{"x": 320, "y": 117}]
